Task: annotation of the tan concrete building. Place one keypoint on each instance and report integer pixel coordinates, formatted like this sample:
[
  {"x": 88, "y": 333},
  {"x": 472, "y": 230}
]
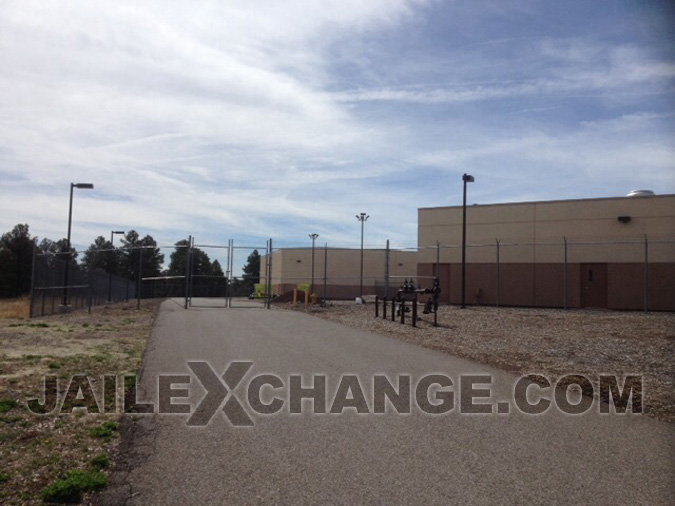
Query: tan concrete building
[
  {"x": 616, "y": 253},
  {"x": 341, "y": 270}
]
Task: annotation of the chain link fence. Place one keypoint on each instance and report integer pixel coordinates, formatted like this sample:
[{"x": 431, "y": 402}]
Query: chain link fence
[
  {"x": 634, "y": 274},
  {"x": 59, "y": 284},
  {"x": 631, "y": 274}
]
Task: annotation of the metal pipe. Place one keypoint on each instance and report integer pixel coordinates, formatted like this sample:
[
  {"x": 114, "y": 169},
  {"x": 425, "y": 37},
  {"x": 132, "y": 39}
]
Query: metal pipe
[
  {"x": 646, "y": 275},
  {"x": 498, "y": 264},
  {"x": 414, "y": 311},
  {"x": 32, "y": 283},
  {"x": 269, "y": 284},
  {"x": 311, "y": 285},
  {"x": 325, "y": 273},
  {"x": 191, "y": 253},
  {"x": 140, "y": 278},
  {"x": 70, "y": 219},
  {"x": 90, "y": 291},
  {"x": 362, "y": 218},
  {"x": 565, "y": 274},
  {"x": 187, "y": 270},
  {"x": 386, "y": 271},
  {"x": 86, "y": 186},
  {"x": 466, "y": 178}
]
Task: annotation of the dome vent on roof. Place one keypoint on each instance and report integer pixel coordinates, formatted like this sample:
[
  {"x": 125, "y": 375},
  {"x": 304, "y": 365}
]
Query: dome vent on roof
[{"x": 640, "y": 193}]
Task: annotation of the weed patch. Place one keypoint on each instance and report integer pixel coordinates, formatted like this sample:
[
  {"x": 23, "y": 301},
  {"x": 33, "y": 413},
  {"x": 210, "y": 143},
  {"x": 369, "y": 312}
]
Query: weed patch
[
  {"x": 106, "y": 430},
  {"x": 69, "y": 490},
  {"x": 101, "y": 461},
  {"x": 7, "y": 405}
]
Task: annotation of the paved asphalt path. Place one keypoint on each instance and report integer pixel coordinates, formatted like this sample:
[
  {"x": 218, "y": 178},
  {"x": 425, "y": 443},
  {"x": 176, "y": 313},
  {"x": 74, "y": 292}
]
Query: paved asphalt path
[{"x": 389, "y": 459}]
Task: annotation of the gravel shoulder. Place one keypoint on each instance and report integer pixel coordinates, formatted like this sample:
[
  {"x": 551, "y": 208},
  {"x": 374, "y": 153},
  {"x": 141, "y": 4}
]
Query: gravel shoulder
[{"x": 550, "y": 342}]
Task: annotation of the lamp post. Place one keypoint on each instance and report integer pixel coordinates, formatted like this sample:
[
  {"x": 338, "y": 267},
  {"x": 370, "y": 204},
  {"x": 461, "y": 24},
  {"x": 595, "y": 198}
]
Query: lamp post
[
  {"x": 311, "y": 286},
  {"x": 81, "y": 186},
  {"x": 112, "y": 256},
  {"x": 466, "y": 178},
  {"x": 362, "y": 218}
]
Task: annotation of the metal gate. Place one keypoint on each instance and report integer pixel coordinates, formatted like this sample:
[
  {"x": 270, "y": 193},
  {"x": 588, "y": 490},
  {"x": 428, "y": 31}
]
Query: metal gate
[{"x": 231, "y": 290}]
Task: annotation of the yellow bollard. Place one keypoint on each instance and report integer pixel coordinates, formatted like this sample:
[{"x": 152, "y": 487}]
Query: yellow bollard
[{"x": 313, "y": 299}]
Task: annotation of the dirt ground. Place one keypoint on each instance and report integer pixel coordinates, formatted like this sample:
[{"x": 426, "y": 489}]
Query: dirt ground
[
  {"x": 38, "y": 449},
  {"x": 550, "y": 342}
]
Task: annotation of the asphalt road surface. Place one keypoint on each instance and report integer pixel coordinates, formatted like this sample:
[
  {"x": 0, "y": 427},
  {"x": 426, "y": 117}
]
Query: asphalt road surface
[{"x": 350, "y": 458}]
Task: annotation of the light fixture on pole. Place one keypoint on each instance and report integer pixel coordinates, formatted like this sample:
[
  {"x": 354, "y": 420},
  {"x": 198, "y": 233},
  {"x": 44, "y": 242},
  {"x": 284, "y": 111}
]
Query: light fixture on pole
[
  {"x": 112, "y": 256},
  {"x": 80, "y": 186},
  {"x": 311, "y": 286},
  {"x": 362, "y": 218},
  {"x": 466, "y": 178}
]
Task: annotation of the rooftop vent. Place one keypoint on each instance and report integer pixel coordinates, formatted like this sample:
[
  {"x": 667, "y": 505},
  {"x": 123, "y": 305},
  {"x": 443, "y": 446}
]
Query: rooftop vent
[{"x": 640, "y": 193}]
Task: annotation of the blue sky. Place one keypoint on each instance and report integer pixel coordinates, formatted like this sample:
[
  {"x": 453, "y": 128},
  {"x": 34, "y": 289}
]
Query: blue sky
[{"x": 258, "y": 119}]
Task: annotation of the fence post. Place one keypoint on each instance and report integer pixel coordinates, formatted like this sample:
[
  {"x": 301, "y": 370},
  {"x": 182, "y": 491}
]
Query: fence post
[
  {"x": 565, "y": 274},
  {"x": 498, "y": 265},
  {"x": 393, "y": 309},
  {"x": 228, "y": 276},
  {"x": 192, "y": 245},
  {"x": 187, "y": 270},
  {"x": 91, "y": 283},
  {"x": 32, "y": 283},
  {"x": 646, "y": 275},
  {"x": 414, "y": 311},
  {"x": 402, "y": 306},
  {"x": 140, "y": 278},
  {"x": 384, "y": 308},
  {"x": 377, "y": 306},
  {"x": 269, "y": 278},
  {"x": 325, "y": 273},
  {"x": 386, "y": 271}
]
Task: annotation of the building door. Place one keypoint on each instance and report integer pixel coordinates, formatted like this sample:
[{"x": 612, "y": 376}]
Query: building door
[{"x": 594, "y": 285}]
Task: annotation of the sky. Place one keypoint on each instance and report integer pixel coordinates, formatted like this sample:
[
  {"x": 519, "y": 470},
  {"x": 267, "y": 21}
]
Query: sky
[{"x": 255, "y": 119}]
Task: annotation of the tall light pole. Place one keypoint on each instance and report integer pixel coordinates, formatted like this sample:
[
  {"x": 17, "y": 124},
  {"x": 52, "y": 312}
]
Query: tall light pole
[
  {"x": 466, "y": 178},
  {"x": 81, "y": 186},
  {"x": 362, "y": 218},
  {"x": 113, "y": 255},
  {"x": 311, "y": 286}
]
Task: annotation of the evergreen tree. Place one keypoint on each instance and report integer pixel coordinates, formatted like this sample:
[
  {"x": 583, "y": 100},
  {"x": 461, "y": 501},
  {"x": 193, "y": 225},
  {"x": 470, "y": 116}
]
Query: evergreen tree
[
  {"x": 252, "y": 271},
  {"x": 131, "y": 250},
  {"x": 201, "y": 263},
  {"x": 101, "y": 255},
  {"x": 16, "y": 261},
  {"x": 217, "y": 270}
]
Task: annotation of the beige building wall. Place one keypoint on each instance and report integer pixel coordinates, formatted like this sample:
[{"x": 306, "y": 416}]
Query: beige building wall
[
  {"x": 293, "y": 266},
  {"x": 627, "y": 264},
  {"x": 519, "y": 226}
]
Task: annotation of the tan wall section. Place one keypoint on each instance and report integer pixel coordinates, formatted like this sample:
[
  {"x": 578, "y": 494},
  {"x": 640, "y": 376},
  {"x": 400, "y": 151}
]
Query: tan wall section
[
  {"x": 520, "y": 225},
  {"x": 293, "y": 266}
]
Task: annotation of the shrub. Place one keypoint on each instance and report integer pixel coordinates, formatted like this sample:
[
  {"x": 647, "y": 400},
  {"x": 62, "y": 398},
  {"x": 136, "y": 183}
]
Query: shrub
[
  {"x": 105, "y": 430},
  {"x": 70, "y": 489},
  {"x": 7, "y": 404},
  {"x": 101, "y": 461}
]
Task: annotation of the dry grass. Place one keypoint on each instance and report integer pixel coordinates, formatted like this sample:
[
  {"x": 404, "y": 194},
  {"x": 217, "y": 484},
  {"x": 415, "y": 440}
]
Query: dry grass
[
  {"x": 38, "y": 449},
  {"x": 15, "y": 308}
]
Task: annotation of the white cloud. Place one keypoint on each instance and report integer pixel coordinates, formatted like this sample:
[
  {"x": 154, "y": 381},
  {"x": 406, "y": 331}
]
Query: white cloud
[{"x": 268, "y": 118}]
